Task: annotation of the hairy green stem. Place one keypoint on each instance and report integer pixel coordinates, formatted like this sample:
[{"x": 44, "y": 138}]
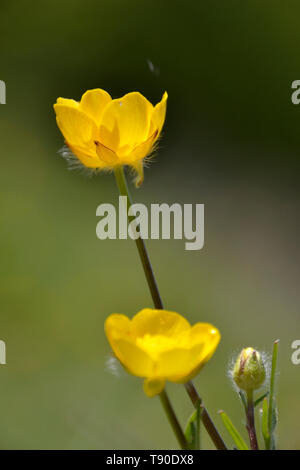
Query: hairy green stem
[
  {"x": 123, "y": 189},
  {"x": 251, "y": 421},
  {"x": 157, "y": 301}
]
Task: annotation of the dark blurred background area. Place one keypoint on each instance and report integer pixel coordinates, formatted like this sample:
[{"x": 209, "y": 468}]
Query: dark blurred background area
[{"x": 231, "y": 141}]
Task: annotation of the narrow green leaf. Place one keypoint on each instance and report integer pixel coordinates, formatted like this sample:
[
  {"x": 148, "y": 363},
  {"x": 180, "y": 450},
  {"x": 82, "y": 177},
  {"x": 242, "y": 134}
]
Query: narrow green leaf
[
  {"x": 274, "y": 419},
  {"x": 272, "y": 379},
  {"x": 272, "y": 414},
  {"x": 260, "y": 399},
  {"x": 264, "y": 423},
  {"x": 238, "y": 440},
  {"x": 192, "y": 431}
]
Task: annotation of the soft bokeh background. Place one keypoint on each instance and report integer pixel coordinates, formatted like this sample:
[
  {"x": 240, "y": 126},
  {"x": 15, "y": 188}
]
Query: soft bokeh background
[{"x": 231, "y": 141}]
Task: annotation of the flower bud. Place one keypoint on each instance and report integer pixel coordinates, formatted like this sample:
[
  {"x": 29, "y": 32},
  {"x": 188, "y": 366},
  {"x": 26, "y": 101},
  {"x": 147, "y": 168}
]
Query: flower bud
[{"x": 249, "y": 370}]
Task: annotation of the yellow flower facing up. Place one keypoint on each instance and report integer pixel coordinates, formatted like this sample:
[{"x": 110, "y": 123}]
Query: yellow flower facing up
[
  {"x": 159, "y": 345},
  {"x": 104, "y": 133}
]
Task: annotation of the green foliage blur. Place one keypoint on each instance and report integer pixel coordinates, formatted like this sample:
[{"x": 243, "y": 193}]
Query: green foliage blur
[{"x": 231, "y": 141}]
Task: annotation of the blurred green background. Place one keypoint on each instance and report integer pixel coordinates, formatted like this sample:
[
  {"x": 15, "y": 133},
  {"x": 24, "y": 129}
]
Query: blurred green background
[{"x": 231, "y": 141}]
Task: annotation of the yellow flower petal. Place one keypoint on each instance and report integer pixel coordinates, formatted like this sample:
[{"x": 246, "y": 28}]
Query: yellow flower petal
[
  {"x": 88, "y": 157},
  {"x": 210, "y": 337},
  {"x": 177, "y": 363},
  {"x": 158, "y": 322},
  {"x": 153, "y": 387},
  {"x": 117, "y": 325},
  {"x": 94, "y": 102},
  {"x": 68, "y": 102},
  {"x": 135, "y": 360},
  {"x": 77, "y": 128},
  {"x": 136, "y": 158},
  {"x": 142, "y": 150},
  {"x": 125, "y": 122},
  {"x": 159, "y": 114}
]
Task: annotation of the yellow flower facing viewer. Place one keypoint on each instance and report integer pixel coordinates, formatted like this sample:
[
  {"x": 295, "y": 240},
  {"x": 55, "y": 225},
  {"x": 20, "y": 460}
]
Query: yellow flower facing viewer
[
  {"x": 104, "y": 133},
  {"x": 159, "y": 345}
]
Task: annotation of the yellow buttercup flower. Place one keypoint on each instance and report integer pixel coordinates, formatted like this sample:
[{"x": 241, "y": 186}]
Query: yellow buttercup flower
[
  {"x": 159, "y": 345},
  {"x": 104, "y": 133}
]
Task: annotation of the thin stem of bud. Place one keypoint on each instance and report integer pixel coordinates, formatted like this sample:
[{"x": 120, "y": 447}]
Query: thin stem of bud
[{"x": 251, "y": 421}]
